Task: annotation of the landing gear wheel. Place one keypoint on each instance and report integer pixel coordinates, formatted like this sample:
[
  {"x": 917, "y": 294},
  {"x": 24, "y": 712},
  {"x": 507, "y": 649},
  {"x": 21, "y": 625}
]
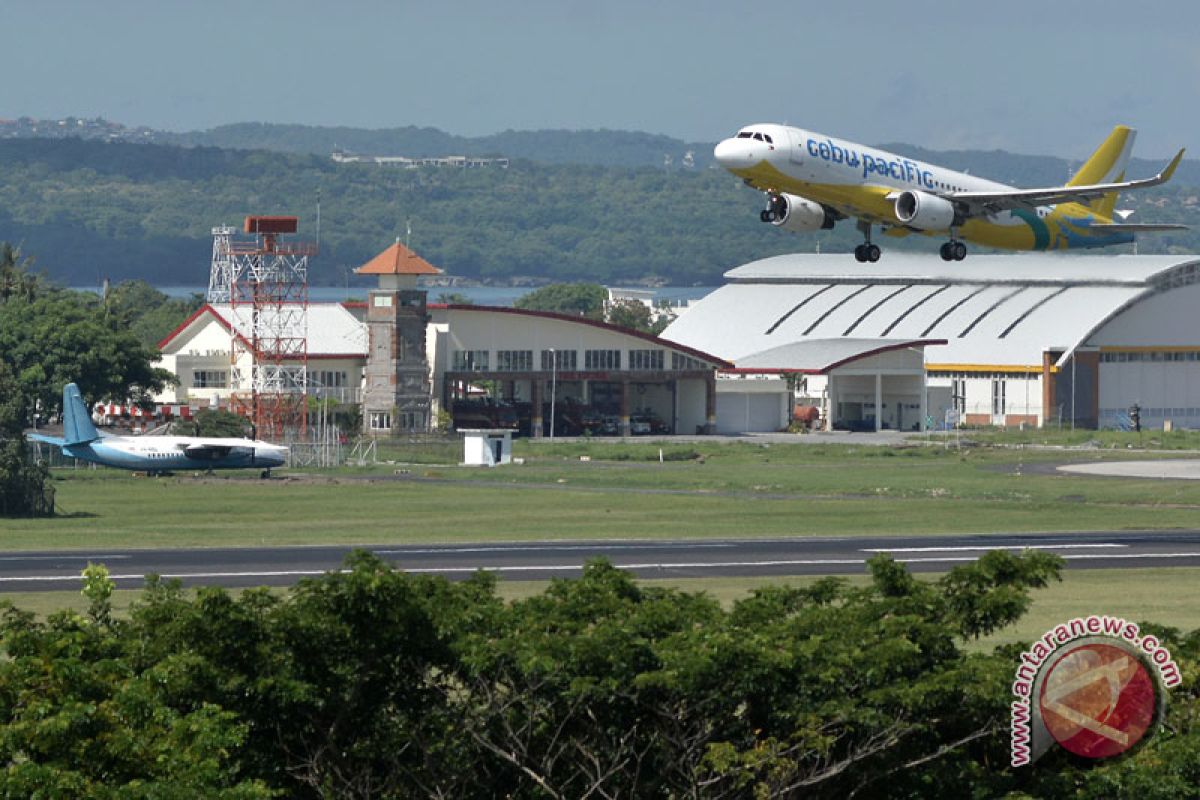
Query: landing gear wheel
[
  {"x": 945, "y": 252},
  {"x": 765, "y": 215},
  {"x": 959, "y": 251},
  {"x": 872, "y": 252},
  {"x": 860, "y": 253},
  {"x": 265, "y": 474}
]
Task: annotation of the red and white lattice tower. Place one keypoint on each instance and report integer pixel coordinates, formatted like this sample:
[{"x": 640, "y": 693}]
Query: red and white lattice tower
[{"x": 267, "y": 282}]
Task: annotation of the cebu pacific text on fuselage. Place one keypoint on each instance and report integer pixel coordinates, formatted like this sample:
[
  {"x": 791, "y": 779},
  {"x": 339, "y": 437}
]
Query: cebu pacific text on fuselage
[{"x": 900, "y": 169}]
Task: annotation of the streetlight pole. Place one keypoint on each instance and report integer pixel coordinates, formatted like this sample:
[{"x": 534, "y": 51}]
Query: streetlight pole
[{"x": 553, "y": 387}]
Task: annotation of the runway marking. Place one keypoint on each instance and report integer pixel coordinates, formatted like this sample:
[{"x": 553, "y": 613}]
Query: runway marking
[
  {"x": 985, "y": 547},
  {"x": 576, "y": 567},
  {"x": 64, "y": 557},
  {"x": 536, "y": 548}
]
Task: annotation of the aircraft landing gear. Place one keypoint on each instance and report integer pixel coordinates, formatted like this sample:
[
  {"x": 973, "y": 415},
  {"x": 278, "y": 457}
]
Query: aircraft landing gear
[
  {"x": 265, "y": 474},
  {"x": 953, "y": 250},
  {"x": 866, "y": 251},
  {"x": 775, "y": 210}
]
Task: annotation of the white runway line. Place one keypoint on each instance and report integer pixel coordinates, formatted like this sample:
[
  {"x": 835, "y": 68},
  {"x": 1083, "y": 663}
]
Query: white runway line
[{"x": 986, "y": 547}]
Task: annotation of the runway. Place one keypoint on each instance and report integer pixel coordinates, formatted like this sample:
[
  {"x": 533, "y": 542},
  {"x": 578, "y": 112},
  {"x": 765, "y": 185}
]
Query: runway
[{"x": 541, "y": 560}]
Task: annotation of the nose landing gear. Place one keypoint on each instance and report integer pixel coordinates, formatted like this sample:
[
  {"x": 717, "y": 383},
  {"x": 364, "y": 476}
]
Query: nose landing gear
[{"x": 776, "y": 209}]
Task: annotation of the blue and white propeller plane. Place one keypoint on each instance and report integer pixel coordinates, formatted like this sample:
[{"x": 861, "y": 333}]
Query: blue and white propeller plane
[{"x": 155, "y": 454}]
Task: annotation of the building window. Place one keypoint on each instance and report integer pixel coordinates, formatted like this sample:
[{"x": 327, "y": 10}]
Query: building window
[
  {"x": 210, "y": 379},
  {"x": 412, "y": 421},
  {"x": 514, "y": 360},
  {"x": 997, "y": 398},
  {"x": 602, "y": 359},
  {"x": 329, "y": 379},
  {"x": 380, "y": 421},
  {"x": 563, "y": 359},
  {"x": 470, "y": 360},
  {"x": 679, "y": 361},
  {"x": 645, "y": 359},
  {"x": 958, "y": 394}
]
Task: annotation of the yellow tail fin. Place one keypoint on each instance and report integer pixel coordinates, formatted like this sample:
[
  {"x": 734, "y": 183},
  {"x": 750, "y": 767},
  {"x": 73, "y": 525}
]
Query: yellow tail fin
[{"x": 1106, "y": 165}]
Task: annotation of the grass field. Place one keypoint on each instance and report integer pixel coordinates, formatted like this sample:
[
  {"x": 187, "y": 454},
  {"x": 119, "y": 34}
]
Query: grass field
[{"x": 706, "y": 489}]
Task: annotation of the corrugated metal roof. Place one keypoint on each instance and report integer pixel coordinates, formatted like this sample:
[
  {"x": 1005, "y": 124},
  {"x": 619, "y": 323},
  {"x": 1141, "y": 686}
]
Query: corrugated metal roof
[
  {"x": 332, "y": 330},
  {"x": 1024, "y": 268},
  {"x": 1000, "y": 310},
  {"x": 823, "y": 355}
]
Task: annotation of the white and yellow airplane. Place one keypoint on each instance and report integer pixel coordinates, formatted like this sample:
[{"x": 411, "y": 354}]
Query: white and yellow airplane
[{"x": 812, "y": 181}]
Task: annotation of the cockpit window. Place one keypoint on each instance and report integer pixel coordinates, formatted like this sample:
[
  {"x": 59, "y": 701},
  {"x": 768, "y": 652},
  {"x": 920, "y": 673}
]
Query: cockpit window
[
  {"x": 758, "y": 136},
  {"x": 767, "y": 137},
  {"x": 745, "y": 135}
]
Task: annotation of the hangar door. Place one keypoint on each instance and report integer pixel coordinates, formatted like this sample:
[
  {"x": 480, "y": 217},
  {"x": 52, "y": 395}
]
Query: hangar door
[
  {"x": 739, "y": 412},
  {"x": 1164, "y": 385}
]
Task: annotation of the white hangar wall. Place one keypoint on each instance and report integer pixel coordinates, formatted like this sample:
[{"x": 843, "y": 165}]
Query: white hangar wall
[{"x": 1149, "y": 356}]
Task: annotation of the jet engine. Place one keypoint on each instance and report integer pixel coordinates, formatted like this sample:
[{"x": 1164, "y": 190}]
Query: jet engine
[
  {"x": 797, "y": 214},
  {"x": 925, "y": 211}
]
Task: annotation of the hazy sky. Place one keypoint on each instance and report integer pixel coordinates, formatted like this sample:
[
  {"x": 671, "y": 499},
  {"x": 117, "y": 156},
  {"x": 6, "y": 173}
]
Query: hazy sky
[{"x": 1044, "y": 76}]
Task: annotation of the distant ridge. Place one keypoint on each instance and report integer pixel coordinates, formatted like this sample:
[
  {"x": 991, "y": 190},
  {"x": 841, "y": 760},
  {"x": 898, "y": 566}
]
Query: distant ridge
[
  {"x": 109, "y": 207},
  {"x": 603, "y": 148}
]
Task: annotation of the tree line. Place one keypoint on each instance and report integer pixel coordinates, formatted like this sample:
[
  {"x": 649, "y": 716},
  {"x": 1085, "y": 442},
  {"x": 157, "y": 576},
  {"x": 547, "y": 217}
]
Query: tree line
[
  {"x": 371, "y": 682},
  {"x": 50, "y": 336},
  {"x": 93, "y": 210}
]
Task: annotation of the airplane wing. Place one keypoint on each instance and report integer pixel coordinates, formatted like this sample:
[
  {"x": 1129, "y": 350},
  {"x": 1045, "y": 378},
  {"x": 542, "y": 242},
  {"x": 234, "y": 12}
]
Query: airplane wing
[
  {"x": 1029, "y": 199},
  {"x": 1137, "y": 227}
]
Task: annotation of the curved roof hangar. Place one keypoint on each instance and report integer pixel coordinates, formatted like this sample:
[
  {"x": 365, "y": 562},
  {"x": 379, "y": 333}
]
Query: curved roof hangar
[{"x": 1003, "y": 310}]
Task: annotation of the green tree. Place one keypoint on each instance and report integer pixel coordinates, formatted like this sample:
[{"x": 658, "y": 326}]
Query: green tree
[
  {"x": 80, "y": 719},
  {"x": 60, "y": 336},
  {"x": 25, "y": 489},
  {"x": 374, "y": 683},
  {"x": 455, "y": 298},
  {"x": 149, "y": 313},
  {"x": 16, "y": 281},
  {"x": 638, "y": 316},
  {"x": 580, "y": 299}
]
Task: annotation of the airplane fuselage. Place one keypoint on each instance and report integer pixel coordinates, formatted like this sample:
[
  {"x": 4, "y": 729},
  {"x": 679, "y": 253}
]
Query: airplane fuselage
[
  {"x": 860, "y": 181},
  {"x": 166, "y": 453}
]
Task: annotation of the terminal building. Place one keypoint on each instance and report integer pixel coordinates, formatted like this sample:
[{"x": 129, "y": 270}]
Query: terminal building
[
  {"x": 1002, "y": 340},
  {"x": 406, "y": 362}
]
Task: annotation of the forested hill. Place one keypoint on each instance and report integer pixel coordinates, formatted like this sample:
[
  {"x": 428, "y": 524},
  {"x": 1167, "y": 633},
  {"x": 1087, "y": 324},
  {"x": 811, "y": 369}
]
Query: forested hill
[
  {"x": 607, "y": 148},
  {"x": 87, "y": 210},
  {"x": 596, "y": 147}
]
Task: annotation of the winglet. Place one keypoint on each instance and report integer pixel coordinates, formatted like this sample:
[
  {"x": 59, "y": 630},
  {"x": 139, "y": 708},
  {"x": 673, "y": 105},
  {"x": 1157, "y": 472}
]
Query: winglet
[{"x": 1166, "y": 174}]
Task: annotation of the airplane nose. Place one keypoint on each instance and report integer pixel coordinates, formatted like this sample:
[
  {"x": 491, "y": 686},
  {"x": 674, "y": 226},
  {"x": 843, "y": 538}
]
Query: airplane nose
[{"x": 738, "y": 153}]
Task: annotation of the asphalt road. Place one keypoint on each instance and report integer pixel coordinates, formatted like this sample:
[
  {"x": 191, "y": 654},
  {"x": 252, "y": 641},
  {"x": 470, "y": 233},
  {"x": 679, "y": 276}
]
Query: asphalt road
[{"x": 281, "y": 566}]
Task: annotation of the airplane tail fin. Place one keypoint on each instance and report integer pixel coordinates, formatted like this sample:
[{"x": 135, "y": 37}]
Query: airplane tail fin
[
  {"x": 1106, "y": 165},
  {"x": 77, "y": 423}
]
